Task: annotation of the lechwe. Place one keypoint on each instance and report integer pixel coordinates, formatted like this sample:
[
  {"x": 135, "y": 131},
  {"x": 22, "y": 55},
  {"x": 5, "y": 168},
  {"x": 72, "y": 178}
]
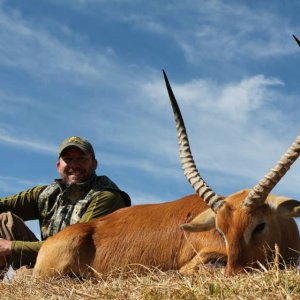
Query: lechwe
[{"x": 239, "y": 231}]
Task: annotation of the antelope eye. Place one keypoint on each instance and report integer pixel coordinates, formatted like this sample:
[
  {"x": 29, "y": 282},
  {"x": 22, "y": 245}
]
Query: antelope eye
[{"x": 259, "y": 228}]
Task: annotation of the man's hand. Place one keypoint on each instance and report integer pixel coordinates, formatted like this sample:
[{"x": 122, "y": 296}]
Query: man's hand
[{"x": 5, "y": 249}]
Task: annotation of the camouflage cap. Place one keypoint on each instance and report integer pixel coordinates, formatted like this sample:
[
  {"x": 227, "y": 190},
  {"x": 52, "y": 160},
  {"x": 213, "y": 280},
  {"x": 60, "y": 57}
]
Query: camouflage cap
[{"x": 78, "y": 142}]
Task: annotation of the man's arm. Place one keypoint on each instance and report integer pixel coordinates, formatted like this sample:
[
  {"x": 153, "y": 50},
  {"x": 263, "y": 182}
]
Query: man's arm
[
  {"x": 24, "y": 253},
  {"x": 18, "y": 253},
  {"x": 24, "y": 204}
]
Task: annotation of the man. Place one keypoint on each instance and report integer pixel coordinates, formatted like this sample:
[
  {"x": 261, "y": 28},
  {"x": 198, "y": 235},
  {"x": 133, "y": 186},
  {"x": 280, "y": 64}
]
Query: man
[{"x": 78, "y": 196}]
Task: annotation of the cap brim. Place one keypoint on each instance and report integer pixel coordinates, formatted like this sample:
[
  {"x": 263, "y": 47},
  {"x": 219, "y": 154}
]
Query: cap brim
[{"x": 86, "y": 151}]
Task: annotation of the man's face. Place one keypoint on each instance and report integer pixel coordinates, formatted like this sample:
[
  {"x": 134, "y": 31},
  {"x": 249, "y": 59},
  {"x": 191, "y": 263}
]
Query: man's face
[{"x": 74, "y": 166}]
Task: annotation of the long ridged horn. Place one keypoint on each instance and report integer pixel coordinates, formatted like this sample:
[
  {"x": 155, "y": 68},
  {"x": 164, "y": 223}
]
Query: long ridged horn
[
  {"x": 298, "y": 42},
  {"x": 260, "y": 192},
  {"x": 190, "y": 171}
]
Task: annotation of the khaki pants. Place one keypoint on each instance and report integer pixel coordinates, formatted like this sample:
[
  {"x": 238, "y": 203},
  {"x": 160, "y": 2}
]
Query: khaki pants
[{"x": 13, "y": 228}]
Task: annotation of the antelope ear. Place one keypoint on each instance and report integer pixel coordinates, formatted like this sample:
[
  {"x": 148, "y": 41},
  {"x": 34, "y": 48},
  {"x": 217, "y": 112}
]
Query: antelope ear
[
  {"x": 202, "y": 222},
  {"x": 284, "y": 206}
]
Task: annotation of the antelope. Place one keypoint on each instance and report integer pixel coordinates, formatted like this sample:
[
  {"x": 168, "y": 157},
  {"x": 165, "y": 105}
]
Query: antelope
[{"x": 239, "y": 232}]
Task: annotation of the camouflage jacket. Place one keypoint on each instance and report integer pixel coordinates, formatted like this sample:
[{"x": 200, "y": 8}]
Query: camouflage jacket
[{"x": 60, "y": 206}]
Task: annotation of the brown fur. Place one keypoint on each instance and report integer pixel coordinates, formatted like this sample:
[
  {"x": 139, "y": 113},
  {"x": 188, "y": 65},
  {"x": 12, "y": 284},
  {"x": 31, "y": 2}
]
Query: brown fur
[
  {"x": 150, "y": 235},
  {"x": 279, "y": 230},
  {"x": 143, "y": 234}
]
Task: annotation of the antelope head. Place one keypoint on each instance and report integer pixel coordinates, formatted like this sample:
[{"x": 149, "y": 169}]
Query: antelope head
[{"x": 247, "y": 220}]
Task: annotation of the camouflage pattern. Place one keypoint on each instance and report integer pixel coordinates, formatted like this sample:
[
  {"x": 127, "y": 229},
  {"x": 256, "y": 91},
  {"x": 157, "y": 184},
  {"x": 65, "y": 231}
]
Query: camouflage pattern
[{"x": 61, "y": 206}]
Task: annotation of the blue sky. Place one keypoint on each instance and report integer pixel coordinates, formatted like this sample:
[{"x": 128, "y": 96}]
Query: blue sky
[{"x": 94, "y": 68}]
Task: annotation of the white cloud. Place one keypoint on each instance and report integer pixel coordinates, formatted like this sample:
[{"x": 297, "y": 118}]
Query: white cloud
[
  {"x": 234, "y": 125},
  {"x": 234, "y": 101},
  {"x": 11, "y": 185},
  {"x": 24, "y": 46},
  {"x": 26, "y": 143},
  {"x": 202, "y": 28},
  {"x": 237, "y": 101},
  {"x": 149, "y": 166},
  {"x": 234, "y": 129}
]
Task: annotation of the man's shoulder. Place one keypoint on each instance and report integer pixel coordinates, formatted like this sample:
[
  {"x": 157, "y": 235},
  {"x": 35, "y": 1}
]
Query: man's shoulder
[
  {"x": 105, "y": 183},
  {"x": 36, "y": 190},
  {"x": 46, "y": 190}
]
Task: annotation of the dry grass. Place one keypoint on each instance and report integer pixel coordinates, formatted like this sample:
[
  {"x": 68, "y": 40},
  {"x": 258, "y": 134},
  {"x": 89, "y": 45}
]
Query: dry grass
[{"x": 265, "y": 284}]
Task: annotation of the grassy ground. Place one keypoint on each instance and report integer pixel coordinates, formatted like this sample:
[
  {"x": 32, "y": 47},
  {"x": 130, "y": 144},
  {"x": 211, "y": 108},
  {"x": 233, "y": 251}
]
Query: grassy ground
[{"x": 265, "y": 284}]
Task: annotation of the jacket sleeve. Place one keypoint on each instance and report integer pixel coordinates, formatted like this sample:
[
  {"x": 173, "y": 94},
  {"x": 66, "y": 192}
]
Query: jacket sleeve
[
  {"x": 24, "y": 253},
  {"x": 24, "y": 204},
  {"x": 103, "y": 204}
]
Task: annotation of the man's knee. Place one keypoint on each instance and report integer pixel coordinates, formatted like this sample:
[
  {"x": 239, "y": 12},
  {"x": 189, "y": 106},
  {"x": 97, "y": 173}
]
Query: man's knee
[
  {"x": 7, "y": 224},
  {"x": 13, "y": 228}
]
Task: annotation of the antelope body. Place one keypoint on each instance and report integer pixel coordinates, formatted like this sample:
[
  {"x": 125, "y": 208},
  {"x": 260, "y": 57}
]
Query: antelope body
[{"x": 239, "y": 231}]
